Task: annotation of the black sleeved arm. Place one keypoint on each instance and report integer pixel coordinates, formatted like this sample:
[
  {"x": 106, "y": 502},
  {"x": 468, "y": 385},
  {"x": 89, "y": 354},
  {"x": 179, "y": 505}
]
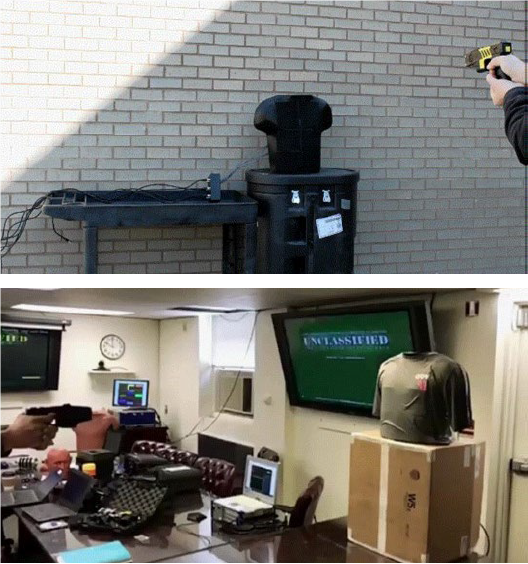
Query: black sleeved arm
[
  {"x": 376, "y": 408},
  {"x": 516, "y": 121}
]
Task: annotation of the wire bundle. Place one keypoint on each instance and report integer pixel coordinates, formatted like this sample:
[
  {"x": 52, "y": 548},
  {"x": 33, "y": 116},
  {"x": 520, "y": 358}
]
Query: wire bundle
[{"x": 12, "y": 231}]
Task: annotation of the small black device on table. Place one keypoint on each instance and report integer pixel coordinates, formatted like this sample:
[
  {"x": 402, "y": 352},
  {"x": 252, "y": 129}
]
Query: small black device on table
[
  {"x": 103, "y": 460},
  {"x": 176, "y": 477}
]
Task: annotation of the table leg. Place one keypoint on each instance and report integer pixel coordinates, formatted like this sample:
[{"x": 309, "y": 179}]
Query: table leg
[
  {"x": 90, "y": 249},
  {"x": 228, "y": 249},
  {"x": 250, "y": 252},
  {"x": 29, "y": 547}
]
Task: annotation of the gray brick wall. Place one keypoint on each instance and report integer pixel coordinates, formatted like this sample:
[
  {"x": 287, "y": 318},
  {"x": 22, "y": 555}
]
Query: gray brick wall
[{"x": 115, "y": 94}]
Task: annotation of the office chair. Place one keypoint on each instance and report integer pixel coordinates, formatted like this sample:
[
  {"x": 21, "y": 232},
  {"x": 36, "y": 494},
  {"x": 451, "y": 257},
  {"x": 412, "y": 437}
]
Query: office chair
[
  {"x": 303, "y": 512},
  {"x": 268, "y": 454}
]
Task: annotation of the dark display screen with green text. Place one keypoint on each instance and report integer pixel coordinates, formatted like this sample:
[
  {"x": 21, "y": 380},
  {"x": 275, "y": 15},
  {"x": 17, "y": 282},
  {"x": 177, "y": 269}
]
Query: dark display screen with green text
[
  {"x": 336, "y": 358},
  {"x": 24, "y": 359}
]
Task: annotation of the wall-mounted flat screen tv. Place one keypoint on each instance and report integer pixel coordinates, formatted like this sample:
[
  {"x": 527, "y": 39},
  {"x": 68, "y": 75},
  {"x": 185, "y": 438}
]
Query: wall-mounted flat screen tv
[
  {"x": 331, "y": 357},
  {"x": 30, "y": 359}
]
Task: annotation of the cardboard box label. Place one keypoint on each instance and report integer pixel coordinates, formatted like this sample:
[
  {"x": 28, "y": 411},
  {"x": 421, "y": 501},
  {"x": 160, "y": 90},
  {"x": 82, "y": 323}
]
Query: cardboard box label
[
  {"x": 467, "y": 456},
  {"x": 464, "y": 545}
]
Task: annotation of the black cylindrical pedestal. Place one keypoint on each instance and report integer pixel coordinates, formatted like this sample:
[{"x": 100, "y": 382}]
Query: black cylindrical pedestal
[{"x": 306, "y": 222}]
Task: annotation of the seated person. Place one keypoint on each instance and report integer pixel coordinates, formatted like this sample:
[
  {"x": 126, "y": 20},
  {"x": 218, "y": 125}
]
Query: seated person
[{"x": 57, "y": 459}]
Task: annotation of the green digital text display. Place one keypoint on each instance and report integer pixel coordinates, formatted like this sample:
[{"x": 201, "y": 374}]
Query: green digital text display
[{"x": 336, "y": 358}]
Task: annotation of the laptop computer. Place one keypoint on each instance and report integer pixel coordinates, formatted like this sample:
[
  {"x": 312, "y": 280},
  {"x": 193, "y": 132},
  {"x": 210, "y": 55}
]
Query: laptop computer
[
  {"x": 35, "y": 494},
  {"x": 68, "y": 503},
  {"x": 259, "y": 491}
]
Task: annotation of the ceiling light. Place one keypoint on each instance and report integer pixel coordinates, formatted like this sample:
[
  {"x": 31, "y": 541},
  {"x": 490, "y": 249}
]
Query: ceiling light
[
  {"x": 208, "y": 309},
  {"x": 40, "y": 289},
  {"x": 72, "y": 310}
]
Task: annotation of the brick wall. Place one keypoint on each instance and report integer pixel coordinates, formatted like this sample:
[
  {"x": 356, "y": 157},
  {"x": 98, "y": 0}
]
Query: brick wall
[{"x": 115, "y": 94}]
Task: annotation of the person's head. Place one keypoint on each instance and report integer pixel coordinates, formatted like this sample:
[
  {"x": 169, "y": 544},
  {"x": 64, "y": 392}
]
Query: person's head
[{"x": 58, "y": 459}]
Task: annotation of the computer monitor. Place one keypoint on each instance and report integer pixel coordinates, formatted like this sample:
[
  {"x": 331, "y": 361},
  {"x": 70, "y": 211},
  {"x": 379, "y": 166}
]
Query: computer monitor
[
  {"x": 261, "y": 479},
  {"x": 130, "y": 393}
]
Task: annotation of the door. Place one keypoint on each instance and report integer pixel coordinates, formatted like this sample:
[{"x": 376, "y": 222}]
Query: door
[{"x": 518, "y": 518}]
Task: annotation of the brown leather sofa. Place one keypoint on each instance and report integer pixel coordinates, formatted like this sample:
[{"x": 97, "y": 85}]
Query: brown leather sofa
[{"x": 217, "y": 475}]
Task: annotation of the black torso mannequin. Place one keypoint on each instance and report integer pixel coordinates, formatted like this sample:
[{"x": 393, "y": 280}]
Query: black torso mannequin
[{"x": 293, "y": 125}]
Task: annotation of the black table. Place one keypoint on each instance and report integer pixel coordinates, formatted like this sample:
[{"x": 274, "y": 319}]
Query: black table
[
  {"x": 236, "y": 212},
  {"x": 165, "y": 539},
  {"x": 323, "y": 542},
  {"x": 316, "y": 543}
]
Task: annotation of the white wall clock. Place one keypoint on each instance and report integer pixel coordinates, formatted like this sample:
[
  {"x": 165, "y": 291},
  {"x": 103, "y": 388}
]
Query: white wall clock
[{"x": 112, "y": 347}]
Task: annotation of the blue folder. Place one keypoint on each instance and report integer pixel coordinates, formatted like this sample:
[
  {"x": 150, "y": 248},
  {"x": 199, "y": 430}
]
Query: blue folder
[{"x": 107, "y": 552}]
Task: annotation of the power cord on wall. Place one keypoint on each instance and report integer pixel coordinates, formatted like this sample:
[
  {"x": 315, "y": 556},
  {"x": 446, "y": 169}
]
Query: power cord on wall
[
  {"x": 242, "y": 164},
  {"x": 488, "y": 542}
]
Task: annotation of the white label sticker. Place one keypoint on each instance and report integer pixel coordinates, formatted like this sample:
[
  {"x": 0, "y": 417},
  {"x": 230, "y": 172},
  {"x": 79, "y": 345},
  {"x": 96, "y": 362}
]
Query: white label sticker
[
  {"x": 331, "y": 225},
  {"x": 464, "y": 545},
  {"x": 477, "y": 461}
]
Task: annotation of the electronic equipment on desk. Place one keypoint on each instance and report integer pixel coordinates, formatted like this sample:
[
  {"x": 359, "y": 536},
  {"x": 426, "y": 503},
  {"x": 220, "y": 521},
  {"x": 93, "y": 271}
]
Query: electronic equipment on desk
[
  {"x": 133, "y": 418},
  {"x": 21, "y": 462},
  {"x": 177, "y": 477},
  {"x": 20, "y": 472},
  {"x": 103, "y": 460},
  {"x": 258, "y": 497},
  {"x": 130, "y": 393},
  {"x": 245, "y": 525},
  {"x": 132, "y": 397},
  {"x": 35, "y": 494},
  {"x": 139, "y": 463}
]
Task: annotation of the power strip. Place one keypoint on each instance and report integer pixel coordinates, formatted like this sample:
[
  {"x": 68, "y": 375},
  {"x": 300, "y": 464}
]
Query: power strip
[{"x": 213, "y": 187}]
